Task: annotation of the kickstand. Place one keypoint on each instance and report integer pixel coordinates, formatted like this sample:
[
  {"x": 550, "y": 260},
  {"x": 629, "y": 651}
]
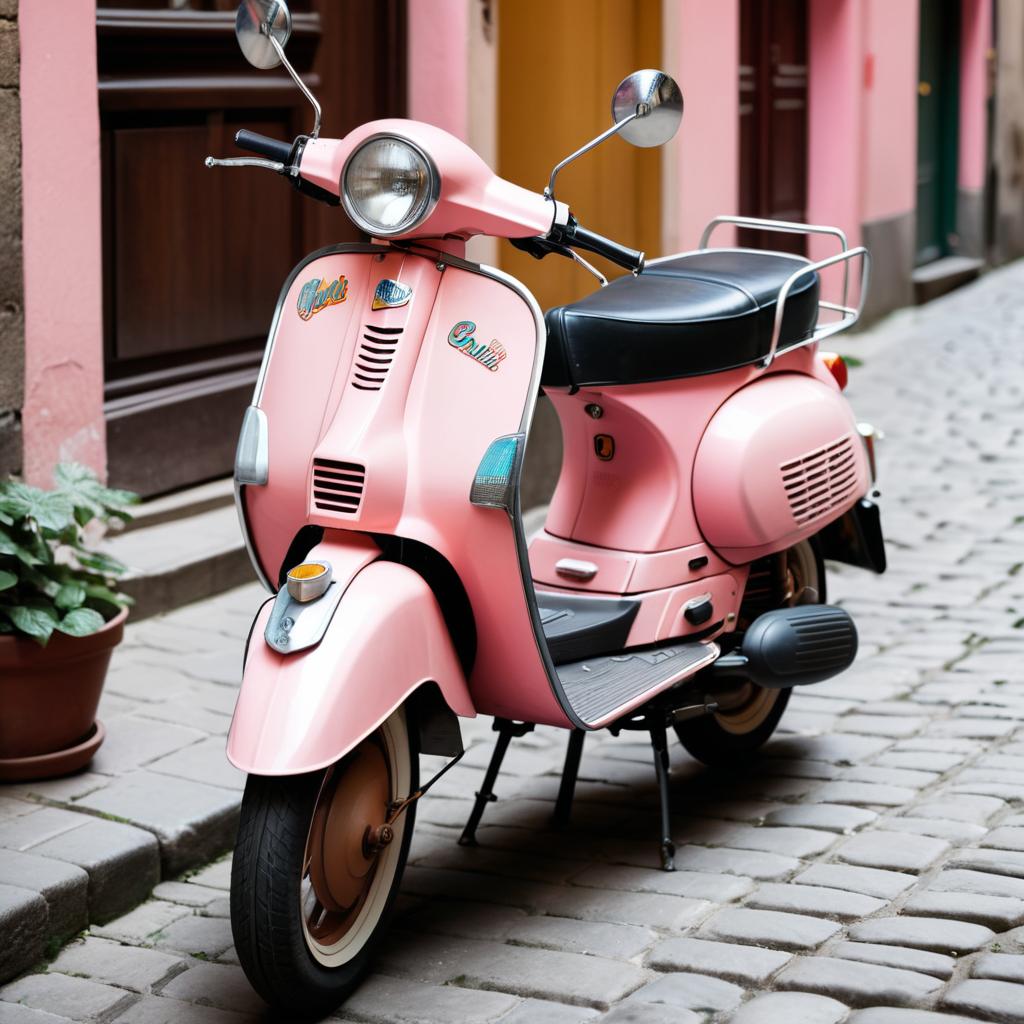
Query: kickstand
[
  {"x": 505, "y": 730},
  {"x": 659, "y": 743},
  {"x": 570, "y": 770}
]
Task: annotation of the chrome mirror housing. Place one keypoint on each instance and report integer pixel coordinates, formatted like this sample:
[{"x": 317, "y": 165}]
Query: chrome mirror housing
[
  {"x": 260, "y": 24},
  {"x": 651, "y": 105}
]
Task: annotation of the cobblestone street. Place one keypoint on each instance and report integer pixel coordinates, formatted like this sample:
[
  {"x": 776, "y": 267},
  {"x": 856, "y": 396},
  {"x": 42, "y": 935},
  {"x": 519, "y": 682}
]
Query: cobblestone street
[{"x": 869, "y": 870}]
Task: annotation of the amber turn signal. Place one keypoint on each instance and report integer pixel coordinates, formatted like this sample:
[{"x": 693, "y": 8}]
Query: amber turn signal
[
  {"x": 837, "y": 367},
  {"x": 309, "y": 580}
]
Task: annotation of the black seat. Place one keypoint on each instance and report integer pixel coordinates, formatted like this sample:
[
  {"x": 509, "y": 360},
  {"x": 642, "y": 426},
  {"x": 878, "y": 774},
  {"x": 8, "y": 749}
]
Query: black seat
[{"x": 695, "y": 314}]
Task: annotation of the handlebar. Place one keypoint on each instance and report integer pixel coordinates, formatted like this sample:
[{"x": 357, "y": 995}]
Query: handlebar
[
  {"x": 572, "y": 234},
  {"x": 272, "y": 149}
]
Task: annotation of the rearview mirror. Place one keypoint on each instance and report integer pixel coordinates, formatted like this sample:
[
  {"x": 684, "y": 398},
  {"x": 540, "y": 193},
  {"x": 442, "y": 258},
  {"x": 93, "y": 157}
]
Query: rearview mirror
[
  {"x": 256, "y": 24},
  {"x": 656, "y": 101}
]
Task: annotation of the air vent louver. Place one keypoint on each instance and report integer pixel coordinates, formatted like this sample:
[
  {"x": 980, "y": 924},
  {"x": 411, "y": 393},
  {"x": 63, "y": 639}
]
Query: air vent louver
[
  {"x": 374, "y": 358},
  {"x": 821, "y": 480},
  {"x": 338, "y": 486}
]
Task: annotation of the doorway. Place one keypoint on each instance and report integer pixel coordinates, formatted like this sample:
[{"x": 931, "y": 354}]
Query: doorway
[
  {"x": 773, "y": 118},
  {"x": 558, "y": 65},
  {"x": 937, "y": 128}
]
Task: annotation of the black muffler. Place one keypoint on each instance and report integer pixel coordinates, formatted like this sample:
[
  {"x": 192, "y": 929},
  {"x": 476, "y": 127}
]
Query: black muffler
[{"x": 793, "y": 647}]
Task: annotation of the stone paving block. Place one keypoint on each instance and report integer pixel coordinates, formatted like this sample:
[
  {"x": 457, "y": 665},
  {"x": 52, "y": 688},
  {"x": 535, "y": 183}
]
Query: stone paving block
[
  {"x": 122, "y": 863},
  {"x": 829, "y": 817},
  {"x": 767, "y": 867},
  {"x": 790, "y": 842},
  {"x": 981, "y": 883},
  {"x": 216, "y": 875},
  {"x": 995, "y": 1000},
  {"x": 469, "y": 920},
  {"x": 143, "y": 923},
  {"x": 115, "y": 963},
  {"x": 616, "y": 941},
  {"x": 194, "y": 822},
  {"x": 893, "y": 851},
  {"x": 856, "y": 984},
  {"x": 203, "y": 936},
  {"x": 133, "y": 741},
  {"x": 881, "y": 725},
  {"x": 950, "y": 831},
  {"x": 697, "y": 992},
  {"x": 862, "y": 794},
  {"x": 65, "y": 888},
  {"x": 996, "y": 912},
  {"x": 998, "y": 862},
  {"x": 919, "y": 760},
  {"x": 75, "y": 998},
  {"x": 790, "y": 1008},
  {"x": 832, "y": 747},
  {"x": 695, "y": 884},
  {"x": 221, "y": 985},
  {"x": 644, "y": 909},
  {"x": 651, "y": 1013},
  {"x": 747, "y": 965},
  {"x": 974, "y": 809},
  {"x": 1005, "y": 839},
  {"x": 936, "y": 964},
  {"x": 15, "y": 1013},
  {"x": 816, "y": 900},
  {"x": 931, "y": 933},
  {"x": 869, "y": 881},
  {"x": 23, "y": 925},
  {"x": 769, "y": 928},
  {"x": 155, "y": 1010},
  {"x": 36, "y": 827},
  {"x": 898, "y": 1015},
  {"x": 541, "y": 1011},
  {"x": 999, "y": 967},
  {"x": 188, "y": 894},
  {"x": 202, "y": 762}
]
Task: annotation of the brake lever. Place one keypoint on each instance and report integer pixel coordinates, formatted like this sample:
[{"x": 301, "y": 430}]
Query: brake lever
[
  {"x": 538, "y": 247},
  {"x": 250, "y": 161}
]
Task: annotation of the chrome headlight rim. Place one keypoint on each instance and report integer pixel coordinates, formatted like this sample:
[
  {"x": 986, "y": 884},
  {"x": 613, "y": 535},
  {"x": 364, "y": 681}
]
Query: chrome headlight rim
[{"x": 433, "y": 194}]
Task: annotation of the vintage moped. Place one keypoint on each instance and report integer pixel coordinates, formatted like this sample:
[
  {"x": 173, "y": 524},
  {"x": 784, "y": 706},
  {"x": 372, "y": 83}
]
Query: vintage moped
[{"x": 711, "y": 462}]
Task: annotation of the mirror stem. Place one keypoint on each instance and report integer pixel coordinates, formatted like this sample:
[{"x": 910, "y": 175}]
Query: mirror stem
[
  {"x": 279, "y": 49},
  {"x": 615, "y": 129}
]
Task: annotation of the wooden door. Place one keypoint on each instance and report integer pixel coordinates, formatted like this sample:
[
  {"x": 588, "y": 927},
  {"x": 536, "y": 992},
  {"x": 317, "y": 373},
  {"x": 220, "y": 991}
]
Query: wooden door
[
  {"x": 773, "y": 118},
  {"x": 558, "y": 66},
  {"x": 937, "y": 120},
  {"x": 194, "y": 259}
]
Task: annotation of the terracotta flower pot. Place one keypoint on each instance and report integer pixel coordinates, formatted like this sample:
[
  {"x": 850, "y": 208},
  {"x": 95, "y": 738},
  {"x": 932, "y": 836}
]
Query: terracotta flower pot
[{"x": 48, "y": 700}]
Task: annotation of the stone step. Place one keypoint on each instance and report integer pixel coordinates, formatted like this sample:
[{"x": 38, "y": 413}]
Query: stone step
[
  {"x": 182, "y": 548},
  {"x": 942, "y": 276}
]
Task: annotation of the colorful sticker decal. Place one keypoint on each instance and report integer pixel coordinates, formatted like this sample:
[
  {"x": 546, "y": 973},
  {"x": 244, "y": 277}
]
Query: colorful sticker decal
[
  {"x": 489, "y": 355},
  {"x": 391, "y": 295},
  {"x": 320, "y": 293}
]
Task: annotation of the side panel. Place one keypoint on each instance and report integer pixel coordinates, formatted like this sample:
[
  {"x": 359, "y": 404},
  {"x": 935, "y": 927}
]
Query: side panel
[
  {"x": 781, "y": 458},
  {"x": 300, "y": 712}
]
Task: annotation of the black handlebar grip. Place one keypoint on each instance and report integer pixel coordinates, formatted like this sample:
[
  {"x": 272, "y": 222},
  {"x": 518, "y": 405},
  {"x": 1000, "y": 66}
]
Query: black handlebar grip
[
  {"x": 273, "y": 149},
  {"x": 631, "y": 259}
]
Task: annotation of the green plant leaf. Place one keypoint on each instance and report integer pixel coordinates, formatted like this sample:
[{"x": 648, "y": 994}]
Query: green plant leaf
[
  {"x": 7, "y": 579},
  {"x": 98, "y": 592},
  {"x": 71, "y": 595},
  {"x": 9, "y": 546},
  {"x": 89, "y": 497},
  {"x": 36, "y": 621},
  {"x": 52, "y": 510},
  {"x": 102, "y": 563},
  {"x": 81, "y": 622}
]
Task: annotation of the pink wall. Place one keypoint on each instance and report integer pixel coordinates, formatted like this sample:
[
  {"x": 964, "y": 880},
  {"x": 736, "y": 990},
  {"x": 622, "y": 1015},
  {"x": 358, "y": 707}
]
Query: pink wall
[
  {"x": 889, "y": 148},
  {"x": 63, "y": 410},
  {"x": 701, "y": 50},
  {"x": 438, "y": 33},
  {"x": 975, "y": 41}
]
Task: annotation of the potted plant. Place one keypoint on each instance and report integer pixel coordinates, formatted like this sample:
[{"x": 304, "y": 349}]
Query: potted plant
[{"x": 61, "y": 616}]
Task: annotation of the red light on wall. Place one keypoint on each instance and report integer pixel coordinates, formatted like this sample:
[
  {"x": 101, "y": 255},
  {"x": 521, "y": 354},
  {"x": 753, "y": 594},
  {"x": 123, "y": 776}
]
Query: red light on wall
[{"x": 837, "y": 367}]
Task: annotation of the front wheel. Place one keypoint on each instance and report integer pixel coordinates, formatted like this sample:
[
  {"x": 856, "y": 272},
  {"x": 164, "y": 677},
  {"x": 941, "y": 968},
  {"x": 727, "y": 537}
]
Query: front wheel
[
  {"x": 749, "y": 713},
  {"x": 315, "y": 875}
]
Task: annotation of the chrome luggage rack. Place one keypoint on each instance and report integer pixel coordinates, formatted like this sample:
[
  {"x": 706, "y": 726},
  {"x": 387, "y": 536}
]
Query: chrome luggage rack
[{"x": 849, "y": 315}]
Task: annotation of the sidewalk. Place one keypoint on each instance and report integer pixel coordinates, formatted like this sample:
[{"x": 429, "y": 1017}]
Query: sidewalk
[{"x": 874, "y": 861}]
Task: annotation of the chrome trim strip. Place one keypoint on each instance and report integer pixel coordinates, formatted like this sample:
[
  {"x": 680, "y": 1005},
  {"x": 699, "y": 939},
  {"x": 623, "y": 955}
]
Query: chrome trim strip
[
  {"x": 250, "y": 550},
  {"x": 516, "y": 516},
  {"x": 252, "y": 456}
]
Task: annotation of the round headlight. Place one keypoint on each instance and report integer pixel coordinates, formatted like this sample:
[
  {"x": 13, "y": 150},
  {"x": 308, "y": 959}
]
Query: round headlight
[{"x": 389, "y": 186}]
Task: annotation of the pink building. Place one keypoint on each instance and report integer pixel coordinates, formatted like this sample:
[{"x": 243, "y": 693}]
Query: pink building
[{"x": 130, "y": 341}]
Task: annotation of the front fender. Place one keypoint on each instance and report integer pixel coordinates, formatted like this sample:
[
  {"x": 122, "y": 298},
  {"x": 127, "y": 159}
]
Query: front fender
[{"x": 301, "y": 712}]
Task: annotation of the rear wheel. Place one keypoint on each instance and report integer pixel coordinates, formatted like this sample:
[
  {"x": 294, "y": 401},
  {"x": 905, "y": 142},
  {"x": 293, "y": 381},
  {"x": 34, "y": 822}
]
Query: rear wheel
[
  {"x": 316, "y": 871},
  {"x": 749, "y": 713}
]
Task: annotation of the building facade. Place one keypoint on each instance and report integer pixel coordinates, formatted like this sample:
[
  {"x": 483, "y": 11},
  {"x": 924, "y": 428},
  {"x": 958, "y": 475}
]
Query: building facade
[{"x": 137, "y": 286}]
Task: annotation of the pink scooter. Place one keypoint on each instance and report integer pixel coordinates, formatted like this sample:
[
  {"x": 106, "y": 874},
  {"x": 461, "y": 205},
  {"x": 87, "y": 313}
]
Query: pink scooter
[{"x": 711, "y": 462}]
